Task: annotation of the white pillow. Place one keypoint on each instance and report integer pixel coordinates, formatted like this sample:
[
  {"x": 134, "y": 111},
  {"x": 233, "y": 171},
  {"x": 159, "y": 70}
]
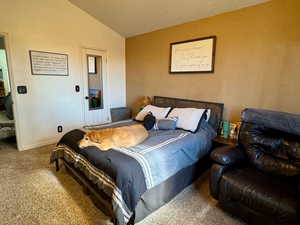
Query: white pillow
[
  {"x": 208, "y": 114},
  {"x": 188, "y": 118},
  {"x": 157, "y": 112}
]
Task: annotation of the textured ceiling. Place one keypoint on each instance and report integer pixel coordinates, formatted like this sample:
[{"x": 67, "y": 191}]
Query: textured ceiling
[{"x": 133, "y": 17}]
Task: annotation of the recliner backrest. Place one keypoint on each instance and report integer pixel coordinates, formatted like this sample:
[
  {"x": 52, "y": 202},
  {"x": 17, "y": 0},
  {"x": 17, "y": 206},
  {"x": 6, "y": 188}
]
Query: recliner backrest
[{"x": 271, "y": 150}]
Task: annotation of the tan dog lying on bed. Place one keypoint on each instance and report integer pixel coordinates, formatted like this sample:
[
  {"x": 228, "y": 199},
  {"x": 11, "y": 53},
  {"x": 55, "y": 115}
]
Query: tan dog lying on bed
[{"x": 106, "y": 139}]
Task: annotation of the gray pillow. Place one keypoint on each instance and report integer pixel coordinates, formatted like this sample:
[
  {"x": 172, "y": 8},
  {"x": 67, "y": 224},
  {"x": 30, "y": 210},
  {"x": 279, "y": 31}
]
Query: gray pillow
[{"x": 166, "y": 124}]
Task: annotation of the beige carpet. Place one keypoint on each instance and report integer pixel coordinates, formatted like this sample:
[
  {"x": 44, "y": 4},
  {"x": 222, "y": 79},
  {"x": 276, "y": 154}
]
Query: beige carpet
[{"x": 31, "y": 192}]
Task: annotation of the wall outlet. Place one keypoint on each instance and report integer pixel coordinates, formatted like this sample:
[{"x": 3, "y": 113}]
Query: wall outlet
[{"x": 59, "y": 129}]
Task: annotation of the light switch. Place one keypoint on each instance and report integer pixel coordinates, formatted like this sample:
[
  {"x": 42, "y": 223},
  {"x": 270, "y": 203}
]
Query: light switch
[{"x": 22, "y": 89}]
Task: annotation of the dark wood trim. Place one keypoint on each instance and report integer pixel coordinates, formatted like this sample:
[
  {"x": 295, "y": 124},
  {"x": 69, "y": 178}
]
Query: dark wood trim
[
  {"x": 191, "y": 40},
  {"x": 225, "y": 141},
  {"x": 44, "y": 74},
  {"x": 184, "y": 99}
]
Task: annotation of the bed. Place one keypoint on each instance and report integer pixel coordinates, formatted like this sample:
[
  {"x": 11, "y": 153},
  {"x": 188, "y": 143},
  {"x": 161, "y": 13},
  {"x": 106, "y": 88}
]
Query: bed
[{"x": 128, "y": 184}]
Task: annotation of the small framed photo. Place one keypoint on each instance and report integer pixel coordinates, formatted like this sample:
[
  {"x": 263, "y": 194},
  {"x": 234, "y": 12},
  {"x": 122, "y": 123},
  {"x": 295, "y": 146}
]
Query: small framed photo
[{"x": 92, "y": 65}]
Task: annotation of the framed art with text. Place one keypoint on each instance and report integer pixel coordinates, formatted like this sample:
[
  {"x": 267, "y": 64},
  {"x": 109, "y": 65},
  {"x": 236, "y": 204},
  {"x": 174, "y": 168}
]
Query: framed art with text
[
  {"x": 48, "y": 63},
  {"x": 193, "y": 56}
]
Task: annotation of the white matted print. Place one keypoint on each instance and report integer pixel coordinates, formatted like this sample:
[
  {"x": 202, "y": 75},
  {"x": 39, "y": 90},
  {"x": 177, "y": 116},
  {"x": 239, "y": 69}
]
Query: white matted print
[
  {"x": 92, "y": 65},
  {"x": 193, "y": 56},
  {"x": 47, "y": 63}
]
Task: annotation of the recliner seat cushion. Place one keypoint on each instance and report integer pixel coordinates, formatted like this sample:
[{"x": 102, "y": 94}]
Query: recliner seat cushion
[{"x": 270, "y": 195}]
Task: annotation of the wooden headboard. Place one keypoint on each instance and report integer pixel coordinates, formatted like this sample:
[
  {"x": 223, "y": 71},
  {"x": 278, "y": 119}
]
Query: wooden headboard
[{"x": 216, "y": 108}]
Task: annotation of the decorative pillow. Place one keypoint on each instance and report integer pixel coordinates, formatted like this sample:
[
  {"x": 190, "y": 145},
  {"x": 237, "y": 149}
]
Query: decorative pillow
[
  {"x": 207, "y": 114},
  {"x": 157, "y": 112},
  {"x": 188, "y": 118},
  {"x": 166, "y": 124},
  {"x": 149, "y": 121}
]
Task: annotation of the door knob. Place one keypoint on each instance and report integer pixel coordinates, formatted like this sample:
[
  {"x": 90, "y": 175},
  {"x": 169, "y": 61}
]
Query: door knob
[{"x": 86, "y": 97}]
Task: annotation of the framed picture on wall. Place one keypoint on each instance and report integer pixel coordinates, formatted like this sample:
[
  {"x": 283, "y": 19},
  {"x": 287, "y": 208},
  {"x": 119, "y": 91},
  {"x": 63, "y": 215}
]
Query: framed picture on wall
[
  {"x": 92, "y": 65},
  {"x": 193, "y": 56},
  {"x": 48, "y": 63}
]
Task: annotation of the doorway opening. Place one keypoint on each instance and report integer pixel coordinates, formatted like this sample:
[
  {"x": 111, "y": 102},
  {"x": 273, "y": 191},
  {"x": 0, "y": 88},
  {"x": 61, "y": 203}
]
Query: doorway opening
[{"x": 7, "y": 122}]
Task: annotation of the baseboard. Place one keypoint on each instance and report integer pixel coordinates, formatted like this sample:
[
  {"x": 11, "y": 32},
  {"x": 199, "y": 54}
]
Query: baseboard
[{"x": 39, "y": 144}]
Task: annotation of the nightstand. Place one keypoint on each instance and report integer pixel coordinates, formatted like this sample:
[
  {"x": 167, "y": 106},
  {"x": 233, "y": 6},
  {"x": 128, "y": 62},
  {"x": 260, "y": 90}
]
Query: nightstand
[
  {"x": 220, "y": 141},
  {"x": 121, "y": 113}
]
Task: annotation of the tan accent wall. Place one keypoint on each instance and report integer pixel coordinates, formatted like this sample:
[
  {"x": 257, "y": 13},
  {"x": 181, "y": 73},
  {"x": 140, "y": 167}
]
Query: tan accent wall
[{"x": 257, "y": 60}]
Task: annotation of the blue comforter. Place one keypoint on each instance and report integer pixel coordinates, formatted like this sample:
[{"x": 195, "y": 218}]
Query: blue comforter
[{"x": 166, "y": 152}]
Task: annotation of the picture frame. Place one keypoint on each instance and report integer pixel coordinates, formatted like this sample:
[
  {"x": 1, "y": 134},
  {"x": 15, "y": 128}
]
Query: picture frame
[
  {"x": 92, "y": 64},
  {"x": 193, "y": 56},
  {"x": 48, "y": 63}
]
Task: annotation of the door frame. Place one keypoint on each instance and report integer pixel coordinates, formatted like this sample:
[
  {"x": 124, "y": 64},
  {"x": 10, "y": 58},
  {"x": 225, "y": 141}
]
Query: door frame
[
  {"x": 12, "y": 88},
  {"x": 106, "y": 96}
]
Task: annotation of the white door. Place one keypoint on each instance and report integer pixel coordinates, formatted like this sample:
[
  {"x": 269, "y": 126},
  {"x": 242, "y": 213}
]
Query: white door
[{"x": 96, "y": 99}]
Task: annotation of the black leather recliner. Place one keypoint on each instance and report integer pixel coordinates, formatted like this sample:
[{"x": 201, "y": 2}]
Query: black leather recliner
[{"x": 259, "y": 180}]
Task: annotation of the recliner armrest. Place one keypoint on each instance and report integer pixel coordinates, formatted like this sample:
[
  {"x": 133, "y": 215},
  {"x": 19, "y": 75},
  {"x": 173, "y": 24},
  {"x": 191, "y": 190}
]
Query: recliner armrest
[{"x": 227, "y": 155}]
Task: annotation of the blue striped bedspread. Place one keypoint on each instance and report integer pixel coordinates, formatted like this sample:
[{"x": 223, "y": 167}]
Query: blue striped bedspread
[{"x": 165, "y": 152}]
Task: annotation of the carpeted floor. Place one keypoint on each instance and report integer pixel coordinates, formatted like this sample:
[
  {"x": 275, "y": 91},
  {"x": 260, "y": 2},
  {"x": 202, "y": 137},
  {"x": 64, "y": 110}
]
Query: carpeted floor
[{"x": 31, "y": 192}]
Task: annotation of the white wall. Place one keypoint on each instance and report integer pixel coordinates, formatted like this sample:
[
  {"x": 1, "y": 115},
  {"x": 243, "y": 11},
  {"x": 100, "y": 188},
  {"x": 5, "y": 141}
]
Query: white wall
[{"x": 56, "y": 26}]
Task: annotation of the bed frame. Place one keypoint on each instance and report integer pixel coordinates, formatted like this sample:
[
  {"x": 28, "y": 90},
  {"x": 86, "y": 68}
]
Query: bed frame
[{"x": 174, "y": 184}]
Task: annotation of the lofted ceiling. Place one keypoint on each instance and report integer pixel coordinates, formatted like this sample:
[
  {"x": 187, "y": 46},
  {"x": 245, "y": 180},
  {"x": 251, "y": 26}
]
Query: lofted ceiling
[{"x": 133, "y": 17}]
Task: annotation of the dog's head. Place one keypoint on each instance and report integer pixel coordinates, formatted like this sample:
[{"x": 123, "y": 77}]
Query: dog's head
[
  {"x": 85, "y": 141},
  {"x": 101, "y": 139}
]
